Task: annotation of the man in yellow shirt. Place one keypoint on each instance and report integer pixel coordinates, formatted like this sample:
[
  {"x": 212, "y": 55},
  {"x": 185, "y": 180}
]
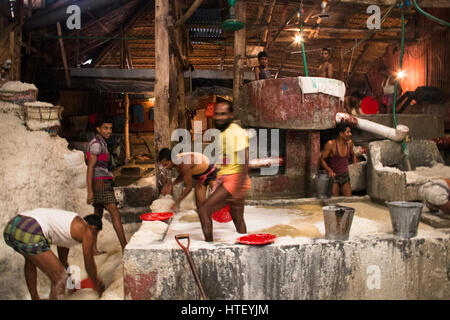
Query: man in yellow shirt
[{"x": 232, "y": 179}]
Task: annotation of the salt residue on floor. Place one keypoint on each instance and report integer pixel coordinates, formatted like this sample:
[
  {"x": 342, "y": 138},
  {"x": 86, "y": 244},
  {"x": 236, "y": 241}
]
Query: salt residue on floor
[{"x": 292, "y": 224}]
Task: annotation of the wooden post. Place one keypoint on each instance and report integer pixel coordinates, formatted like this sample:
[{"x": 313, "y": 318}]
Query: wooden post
[
  {"x": 239, "y": 54},
  {"x": 127, "y": 127},
  {"x": 162, "y": 72},
  {"x": 63, "y": 54}
]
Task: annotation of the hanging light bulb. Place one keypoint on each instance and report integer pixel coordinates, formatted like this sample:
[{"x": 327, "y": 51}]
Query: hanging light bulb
[
  {"x": 298, "y": 38},
  {"x": 400, "y": 74}
]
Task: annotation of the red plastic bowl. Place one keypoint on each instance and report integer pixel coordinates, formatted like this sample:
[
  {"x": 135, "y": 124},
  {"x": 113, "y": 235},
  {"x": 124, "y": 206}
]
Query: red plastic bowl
[
  {"x": 369, "y": 105},
  {"x": 87, "y": 284},
  {"x": 156, "y": 216},
  {"x": 223, "y": 215},
  {"x": 257, "y": 239}
]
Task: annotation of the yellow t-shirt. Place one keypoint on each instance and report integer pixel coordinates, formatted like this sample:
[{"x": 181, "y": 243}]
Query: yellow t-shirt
[{"x": 234, "y": 143}]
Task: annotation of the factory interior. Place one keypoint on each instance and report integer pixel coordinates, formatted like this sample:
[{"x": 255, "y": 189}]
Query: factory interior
[{"x": 295, "y": 220}]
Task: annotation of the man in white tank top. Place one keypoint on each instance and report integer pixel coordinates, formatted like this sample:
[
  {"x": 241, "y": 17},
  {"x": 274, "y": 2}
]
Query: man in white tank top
[{"x": 32, "y": 232}]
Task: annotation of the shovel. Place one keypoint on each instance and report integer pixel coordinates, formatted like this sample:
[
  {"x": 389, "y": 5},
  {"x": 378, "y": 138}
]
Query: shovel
[{"x": 191, "y": 263}]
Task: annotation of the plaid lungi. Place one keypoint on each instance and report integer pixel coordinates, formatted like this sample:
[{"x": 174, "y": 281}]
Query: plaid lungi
[
  {"x": 24, "y": 234},
  {"x": 103, "y": 192},
  {"x": 341, "y": 179}
]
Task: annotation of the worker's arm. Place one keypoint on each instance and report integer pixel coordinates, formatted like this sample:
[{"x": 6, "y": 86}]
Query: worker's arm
[
  {"x": 352, "y": 152},
  {"x": 168, "y": 187},
  {"x": 324, "y": 155},
  {"x": 186, "y": 174},
  {"x": 63, "y": 253},
  {"x": 88, "y": 241},
  {"x": 330, "y": 70},
  {"x": 89, "y": 178},
  {"x": 257, "y": 72}
]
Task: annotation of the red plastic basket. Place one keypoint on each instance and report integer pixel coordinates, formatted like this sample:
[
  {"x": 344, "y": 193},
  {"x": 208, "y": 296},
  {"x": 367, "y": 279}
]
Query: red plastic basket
[
  {"x": 257, "y": 239},
  {"x": 156, "y": 216},
  {"x": 223, "y": 215}
]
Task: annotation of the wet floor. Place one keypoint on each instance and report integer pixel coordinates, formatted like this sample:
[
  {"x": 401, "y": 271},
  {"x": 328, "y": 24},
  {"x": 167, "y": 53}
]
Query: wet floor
[{"x": 292, "y": 221}]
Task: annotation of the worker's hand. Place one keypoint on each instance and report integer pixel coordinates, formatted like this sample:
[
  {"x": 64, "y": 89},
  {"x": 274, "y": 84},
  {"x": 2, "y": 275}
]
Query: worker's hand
[
  {"x": 167, "y": 189},
  {"x": 99, "y": 286},
  {"x": 90, "y": 198},
  {"x": 331, "y": 174},
  {"x": 175, "y": 206}
]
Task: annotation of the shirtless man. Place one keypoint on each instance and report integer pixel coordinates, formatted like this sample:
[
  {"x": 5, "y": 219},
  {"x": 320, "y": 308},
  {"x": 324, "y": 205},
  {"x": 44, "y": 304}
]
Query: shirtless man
[
  {"x": 189, "y": 165},
  {"x": 262, "y": 71},
  {"x": 326, "y": 68},
  {"x": 31, "y": 233},
  {"x": 335, "y": 157}
]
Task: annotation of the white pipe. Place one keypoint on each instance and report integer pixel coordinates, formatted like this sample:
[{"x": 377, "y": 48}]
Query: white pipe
[{"x": 395, "y": 134}]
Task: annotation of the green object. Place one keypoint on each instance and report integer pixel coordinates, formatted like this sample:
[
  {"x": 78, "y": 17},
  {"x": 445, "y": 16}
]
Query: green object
[
  {"x": 303, "y": 51},
  {"x": 445, "y": 23},
  {"x": 232, "y": 24}
]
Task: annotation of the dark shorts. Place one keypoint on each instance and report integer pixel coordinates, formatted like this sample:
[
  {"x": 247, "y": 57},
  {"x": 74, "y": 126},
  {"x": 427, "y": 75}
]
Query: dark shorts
[
  {"x": 206, "y": 177},
  {"x": 341, "y": 179},
  {"x": 103, "y": 192},
  {"x": 24, "y": 234}
]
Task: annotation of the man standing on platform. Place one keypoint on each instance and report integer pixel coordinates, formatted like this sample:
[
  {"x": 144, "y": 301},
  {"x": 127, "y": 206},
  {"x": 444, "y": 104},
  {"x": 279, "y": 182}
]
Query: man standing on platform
[
  {"x": 335, "y": 157},
  {"x": 232, "y": 179}
]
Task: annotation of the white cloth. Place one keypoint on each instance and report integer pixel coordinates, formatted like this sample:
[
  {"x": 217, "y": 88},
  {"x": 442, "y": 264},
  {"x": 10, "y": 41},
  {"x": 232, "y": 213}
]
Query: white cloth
[
  {"x": 388, "y": 88},
  {"x": 328, "y": 86},
  {"x": 55, "y": 225}
]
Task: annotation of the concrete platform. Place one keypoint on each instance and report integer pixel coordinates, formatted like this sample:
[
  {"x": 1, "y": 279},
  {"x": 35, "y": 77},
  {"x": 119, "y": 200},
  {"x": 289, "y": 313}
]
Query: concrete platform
[
  {"x": 387, "y": 175},
  {"x": 372, "y": 264}
]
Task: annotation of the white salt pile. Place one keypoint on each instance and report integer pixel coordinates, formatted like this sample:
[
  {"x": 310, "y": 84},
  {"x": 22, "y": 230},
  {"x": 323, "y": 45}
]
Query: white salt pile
[
  {"x": 17, "y": 86},
  {"x": 38, "y": 170},
  {"x": 163, "y": 204}
]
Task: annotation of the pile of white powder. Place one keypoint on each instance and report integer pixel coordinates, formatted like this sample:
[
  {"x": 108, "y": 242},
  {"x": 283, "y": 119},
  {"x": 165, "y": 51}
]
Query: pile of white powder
[
  {"x": 34, "y": 173},
  {"x": 17, "y": 86}
]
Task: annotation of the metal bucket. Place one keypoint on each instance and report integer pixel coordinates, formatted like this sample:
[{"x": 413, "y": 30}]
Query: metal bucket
[
  {"x": 338, "y": 220},
  {"x": 323, "y": 186},
  {"x": 405, "y": 217}
]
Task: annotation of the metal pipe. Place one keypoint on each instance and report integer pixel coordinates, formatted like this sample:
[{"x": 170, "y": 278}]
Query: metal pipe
[
  {"x": 51, "y": 16},
  {"x": 395, "y": 134}
]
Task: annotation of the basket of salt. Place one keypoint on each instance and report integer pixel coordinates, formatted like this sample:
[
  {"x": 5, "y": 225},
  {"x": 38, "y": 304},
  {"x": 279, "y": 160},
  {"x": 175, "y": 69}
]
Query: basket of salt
[{"x": 18, "y": 92}]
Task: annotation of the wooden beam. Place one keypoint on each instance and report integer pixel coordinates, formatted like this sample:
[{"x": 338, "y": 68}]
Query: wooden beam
[
  {"x": 355, "y": 65},
  {"x": 422, "y": 4},
  {"x": 138, "y": 13},
  {"x": 32, "y": 49},
  {"x": 97, "y": 21},
  {"x": 239, "y": 54},
  {"x": 188, "y": 13},
  {"x": 267, "y": 32},
  {"x": 345, "y": 30},
  {"x": 63, "y": 54},
  {"x": 127, "y": 127},
  {"x": 162, "y": 107},
  {"x": 176, "y": 48}
]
